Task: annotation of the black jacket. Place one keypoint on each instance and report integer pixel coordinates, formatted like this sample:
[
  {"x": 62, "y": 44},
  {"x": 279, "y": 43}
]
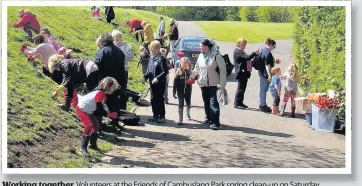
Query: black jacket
[
  {"x": 109, "y": 12},
  {"x": 157, "y": 68},
  {"x": 174, "y": 32},
  {"x": 110, "y": 61},
  {"x": 180, "y": 85},
  {"x": 145, "y": 56},
  {"x": 240, "y": 57},
  {"x": 73, "y": 71}
]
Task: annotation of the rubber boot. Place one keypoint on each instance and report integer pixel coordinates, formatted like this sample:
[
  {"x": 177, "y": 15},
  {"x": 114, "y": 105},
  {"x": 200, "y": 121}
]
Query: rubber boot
[
  {"x": 93, "y": 141},
  {"x": 180, "y": 116},
  {"x": 282, "y": 111},
  {"x": 66, "y": 106},
  {"x": 85, "y": 143},
  {"x": 188, "y": 116},
  {"x": 293, "y": 113}
]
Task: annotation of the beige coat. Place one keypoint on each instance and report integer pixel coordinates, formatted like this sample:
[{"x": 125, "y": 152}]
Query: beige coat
[{"x": 207, "y": 73}]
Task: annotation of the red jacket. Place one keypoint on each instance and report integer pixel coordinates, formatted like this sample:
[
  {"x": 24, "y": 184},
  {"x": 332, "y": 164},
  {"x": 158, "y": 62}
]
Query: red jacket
[
  {"x": 28, "y": 18},
  {"x": 134, "y": 24}
]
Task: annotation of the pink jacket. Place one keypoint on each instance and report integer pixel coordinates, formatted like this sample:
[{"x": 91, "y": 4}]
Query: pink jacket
[
  {"x": 53, "y": 41},
  {"x": 45, "y": 50}
]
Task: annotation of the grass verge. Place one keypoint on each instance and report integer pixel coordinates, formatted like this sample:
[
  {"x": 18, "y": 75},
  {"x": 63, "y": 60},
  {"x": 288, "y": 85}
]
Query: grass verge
[
  {"x": 254, "y": 32},
  {"x": 39, "y": 133}
]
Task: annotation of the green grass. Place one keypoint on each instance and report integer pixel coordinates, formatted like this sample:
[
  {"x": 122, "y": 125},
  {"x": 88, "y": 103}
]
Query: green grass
[
  {"x": 33, "y": 117},
  {"x": 253, "y": 32}
]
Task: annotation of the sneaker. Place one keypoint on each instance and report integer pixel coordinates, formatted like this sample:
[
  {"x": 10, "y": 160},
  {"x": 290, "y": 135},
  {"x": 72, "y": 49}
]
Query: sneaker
[
  {"x": 161, "y": 120},
  {"x": 188, "y": 116},
  {"x": 153, "y": 119},
  {"x": 214, "y": 127},
  {"x": 244, "y": 106},
  {"x": 239, "y": 107}
]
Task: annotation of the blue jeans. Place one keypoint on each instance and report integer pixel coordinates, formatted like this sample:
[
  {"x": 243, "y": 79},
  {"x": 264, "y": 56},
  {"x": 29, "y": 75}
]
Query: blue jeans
[{"x": 264, "y": 86}]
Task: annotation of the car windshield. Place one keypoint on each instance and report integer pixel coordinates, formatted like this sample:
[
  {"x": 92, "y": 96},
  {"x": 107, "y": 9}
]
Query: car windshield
[{"x": 191, "y": 44}]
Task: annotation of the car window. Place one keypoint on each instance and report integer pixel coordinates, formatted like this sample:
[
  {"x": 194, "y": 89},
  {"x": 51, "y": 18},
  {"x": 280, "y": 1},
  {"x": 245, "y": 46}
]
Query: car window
[{"x": 191, "y": 44}]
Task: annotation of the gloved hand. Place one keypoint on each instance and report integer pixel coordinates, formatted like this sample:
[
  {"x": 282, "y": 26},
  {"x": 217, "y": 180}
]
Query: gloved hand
[
  {"x": 54, "y": 95},
  {"x": 174, "y": 95},
  {"x": 155, "y": 80},
  {"x": 190, "y": 81},
  {"x": 23, "y": 47},
  {"x": 31, "y": 58},
  {"x": 112, "y": 115}
]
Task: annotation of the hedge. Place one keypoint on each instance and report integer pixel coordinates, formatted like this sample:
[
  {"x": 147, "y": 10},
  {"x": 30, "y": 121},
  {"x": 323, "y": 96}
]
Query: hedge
[{"x": 319, "y": 50}]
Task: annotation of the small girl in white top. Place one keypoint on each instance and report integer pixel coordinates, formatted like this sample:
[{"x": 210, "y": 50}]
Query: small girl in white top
[{"x": 291, "y": 88}]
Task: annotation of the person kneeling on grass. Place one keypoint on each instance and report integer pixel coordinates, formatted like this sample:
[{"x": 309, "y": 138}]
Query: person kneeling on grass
[
  {"x": 74, "y": 71},
  {"x": 182, "y": 85},
  {"x": 89, "y": 108}
]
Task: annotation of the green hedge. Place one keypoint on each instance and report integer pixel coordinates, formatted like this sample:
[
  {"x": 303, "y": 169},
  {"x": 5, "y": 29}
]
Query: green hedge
[
  {"x": 319, "y": 49},
  {"x": 276, "y": 14}
]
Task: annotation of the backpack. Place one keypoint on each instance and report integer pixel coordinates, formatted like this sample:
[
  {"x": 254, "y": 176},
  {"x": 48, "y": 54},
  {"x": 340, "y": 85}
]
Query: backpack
[
  {"x": 228, "y": 64},
  {"x": 258, "y": 63},
  {"x": 128, "y": 118}
]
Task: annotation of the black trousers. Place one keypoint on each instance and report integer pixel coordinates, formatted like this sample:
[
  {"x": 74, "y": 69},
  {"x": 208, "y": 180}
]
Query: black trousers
[
  {"x": 139, "y": 28},
  {"x": 239, "y": 96},
  {"x": 211, "y": 106},
  {"x": 28, "y": 28},
  {"x": 157, "y": 101},
  {"x": 93, "y": 80},
  {"x": 182, "y": 97}
]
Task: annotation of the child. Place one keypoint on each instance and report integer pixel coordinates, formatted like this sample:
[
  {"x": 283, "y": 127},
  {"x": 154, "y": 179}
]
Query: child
[
  {"x": 165, "y": 95},
  {"x": 182, "y": 85},
  {"x": 28, "y": 23},
  {"x": 291, "y": 87},
  {"x": 96, "y": 15},
  {"x": 275, "y": 87},
  {"x": 44, "y": 50},
  {"x": 90, "y": 107},
  {"x": 48, "y": 37},
  {"x": 144, "y": 57}
]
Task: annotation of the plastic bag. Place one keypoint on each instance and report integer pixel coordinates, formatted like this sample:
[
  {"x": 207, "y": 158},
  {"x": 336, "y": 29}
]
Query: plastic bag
[{"x": 222, "y": 97}]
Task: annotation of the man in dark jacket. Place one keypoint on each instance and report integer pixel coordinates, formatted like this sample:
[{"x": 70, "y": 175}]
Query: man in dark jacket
[
  {"x": 110, "y": 61},
  {"x": 109, "y": 13},
  {"x": 240, "y": 57},
  {"x": 173, "y": 36}
]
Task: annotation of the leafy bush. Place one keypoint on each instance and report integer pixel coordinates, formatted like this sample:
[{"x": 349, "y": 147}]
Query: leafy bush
[
  {"x": 319, "y": 49},
  {"x": 232, "y": 13},
  {"x": 247, "y": 13}
]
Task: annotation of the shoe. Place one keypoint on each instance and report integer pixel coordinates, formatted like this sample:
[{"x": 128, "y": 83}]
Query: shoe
[
  {"x": 179, "y": 123},
  {"x": 188, "y": 116},
  {"x": 66, "y": 106},
  {"x": 153, "y": 119},
  {"x": 161, "y": 120},
  {"x": 293, "y": 113},
  {"x": 93, "y": 141},
  {"x": 85, "y": 142},
  {"x": 281, "y": 113},
  {"x": 244, "y": 106},
  {"x": 239, "y": 107},
  {"x": 214, "y": 127},
  {"x": 265, "y": 108}
]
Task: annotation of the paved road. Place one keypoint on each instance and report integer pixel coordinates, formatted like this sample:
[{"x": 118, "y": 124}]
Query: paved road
[{"x": 248, "y": 138}]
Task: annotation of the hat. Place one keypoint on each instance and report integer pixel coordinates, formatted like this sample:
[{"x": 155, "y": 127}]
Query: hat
[{"x": 64, "y": 51}]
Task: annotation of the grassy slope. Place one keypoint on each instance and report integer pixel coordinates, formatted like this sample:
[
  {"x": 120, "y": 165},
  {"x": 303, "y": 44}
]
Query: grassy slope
[
  {"x": 40, "y": 134},
  {"x": 253, "y": 32}
]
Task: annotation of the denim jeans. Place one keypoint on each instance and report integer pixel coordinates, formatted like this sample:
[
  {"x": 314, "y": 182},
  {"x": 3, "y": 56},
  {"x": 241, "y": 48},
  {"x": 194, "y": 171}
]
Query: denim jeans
[{"x": 264, "y": 86}]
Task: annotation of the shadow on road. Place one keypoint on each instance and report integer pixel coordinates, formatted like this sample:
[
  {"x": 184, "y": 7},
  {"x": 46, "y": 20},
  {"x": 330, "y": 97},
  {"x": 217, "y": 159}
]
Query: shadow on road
[
  {"x": 118, "y": 160},
  {"x": 162, "y": 136}
]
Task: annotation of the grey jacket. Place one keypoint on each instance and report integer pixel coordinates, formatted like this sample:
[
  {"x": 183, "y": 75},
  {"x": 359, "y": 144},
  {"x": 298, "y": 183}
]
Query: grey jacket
[{"x": 207, "y": 72}]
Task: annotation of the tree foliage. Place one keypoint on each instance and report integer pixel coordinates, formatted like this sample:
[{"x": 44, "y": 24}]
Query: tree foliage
[{"x": 319, "y": 49}]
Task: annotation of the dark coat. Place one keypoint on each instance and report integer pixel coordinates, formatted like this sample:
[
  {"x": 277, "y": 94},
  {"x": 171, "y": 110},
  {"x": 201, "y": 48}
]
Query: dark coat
[
  {"x": 173, "y": 32},
  {"x": 73, "y": 72},
  {"x": 240, "y": 57},
  {"x": 157, "y": 68},
  {"x": 180, "y": 85},
  {"x": 110, "y": 61}
]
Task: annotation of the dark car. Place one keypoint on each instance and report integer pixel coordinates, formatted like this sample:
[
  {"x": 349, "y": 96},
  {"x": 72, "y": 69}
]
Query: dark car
[{"x": 187, "y": 47}]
